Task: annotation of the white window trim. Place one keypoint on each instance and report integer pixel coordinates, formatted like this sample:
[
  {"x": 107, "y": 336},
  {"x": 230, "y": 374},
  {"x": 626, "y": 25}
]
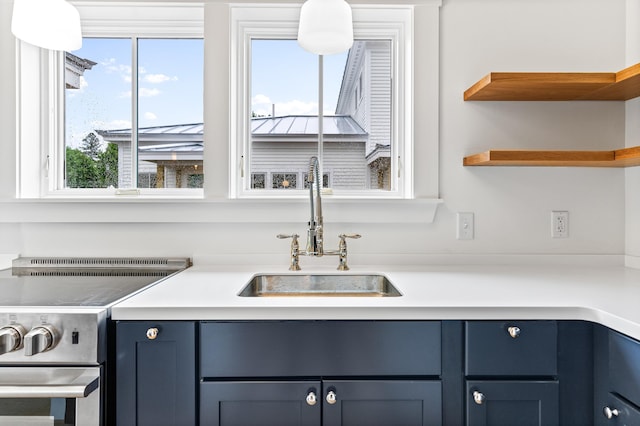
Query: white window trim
[
  {"x": 40, "y": 116},
  {"x": 391, "y": 22}
]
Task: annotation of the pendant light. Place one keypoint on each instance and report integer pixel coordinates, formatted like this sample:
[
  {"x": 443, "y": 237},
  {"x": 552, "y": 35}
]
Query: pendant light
[
  {"x": 50, "y": 24},
  {"x": 326, "y": 26}
]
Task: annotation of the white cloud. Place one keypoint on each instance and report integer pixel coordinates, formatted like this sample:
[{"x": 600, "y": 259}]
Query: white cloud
[
  {"x": 150, "y": 116},
  {"x": 297, "y": 107},
  {"x": 260, "y": 99},
  {"x": 158, "y": 78},
  {"x": 262, "y": 105},
  {"x": 144, "y": 92},
  {"x": 111, "y": 125},
  {"x": 112, "y": 66}
]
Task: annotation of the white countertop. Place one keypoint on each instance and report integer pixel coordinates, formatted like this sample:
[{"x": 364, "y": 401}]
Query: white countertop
[{"x": 609, "y": 295}]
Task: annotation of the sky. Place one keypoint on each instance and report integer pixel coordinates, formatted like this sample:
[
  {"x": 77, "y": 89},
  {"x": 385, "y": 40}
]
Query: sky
[{"x": 170, "y": 83}]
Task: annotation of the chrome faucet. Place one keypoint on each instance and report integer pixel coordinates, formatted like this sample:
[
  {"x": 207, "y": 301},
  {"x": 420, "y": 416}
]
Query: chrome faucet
[
  {"x": 314, "y": 233},
  {"x": 315, "y": 241}
]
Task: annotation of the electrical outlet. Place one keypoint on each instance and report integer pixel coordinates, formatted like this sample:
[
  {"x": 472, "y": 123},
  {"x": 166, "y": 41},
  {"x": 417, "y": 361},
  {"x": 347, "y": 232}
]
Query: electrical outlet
[
  {"x": 464, "y": 230},
  {"x": 559, "y": 224}
]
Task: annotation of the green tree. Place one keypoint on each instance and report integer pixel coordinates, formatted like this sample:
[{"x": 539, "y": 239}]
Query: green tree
[
  {"x": 91, "y": 146},
  {"x": 107, "y": 166},
  {"x": 80, "y": 169}
]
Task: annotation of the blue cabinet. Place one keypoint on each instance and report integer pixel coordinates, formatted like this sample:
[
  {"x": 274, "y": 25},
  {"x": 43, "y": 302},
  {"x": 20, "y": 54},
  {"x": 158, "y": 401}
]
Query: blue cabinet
[
  {"x": 511, "y": 370},
  {"x": 316, "y": 403},
  {"x": 261, "y": 403},
  {"x": 513, "y": 402},
  {"x": 374, "y": 373},
  {"x": 155, "y": 373},
  {"x": 301, "y": 373},
  {"x": 617, "y": 385}
]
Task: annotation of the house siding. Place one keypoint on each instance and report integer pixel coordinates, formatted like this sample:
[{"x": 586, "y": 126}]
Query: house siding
[{"x": 345, "y": 163}]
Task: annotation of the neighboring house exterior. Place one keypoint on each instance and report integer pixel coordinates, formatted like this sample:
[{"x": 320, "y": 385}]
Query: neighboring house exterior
[
  {"x": 74, "y": 68},
  {"x": 365, "y": 95},
  {"x": 356, "y": 152},
  {"x": 282, "y": 146},
  {"x": 168, "y": 156}
]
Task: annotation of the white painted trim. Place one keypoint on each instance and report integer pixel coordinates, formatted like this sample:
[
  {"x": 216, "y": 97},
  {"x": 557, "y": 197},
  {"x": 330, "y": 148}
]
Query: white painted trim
[{"x": 146, "y": 210}]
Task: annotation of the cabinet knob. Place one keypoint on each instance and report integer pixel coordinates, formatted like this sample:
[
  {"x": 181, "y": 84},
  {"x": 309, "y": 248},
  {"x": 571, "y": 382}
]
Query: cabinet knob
[
  {"x": 610, "y": 412},
  {"x": 514, "y": 331},
  {"x": 311, "y": 398},
  {"x": 152, "y": 333},
  {"x": 478, "y": 397},
  {"x": 331, "y": 397}
]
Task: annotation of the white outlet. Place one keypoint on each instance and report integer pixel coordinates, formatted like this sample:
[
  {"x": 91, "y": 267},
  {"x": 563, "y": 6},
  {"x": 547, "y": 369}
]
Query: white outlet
[
  {"x": 559, "y": 224},
  {"x": 464, "y": 230}
]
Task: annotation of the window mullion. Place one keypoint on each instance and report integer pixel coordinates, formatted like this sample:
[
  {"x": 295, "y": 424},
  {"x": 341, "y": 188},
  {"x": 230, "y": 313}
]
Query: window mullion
[{"x": 134, "y": 112}]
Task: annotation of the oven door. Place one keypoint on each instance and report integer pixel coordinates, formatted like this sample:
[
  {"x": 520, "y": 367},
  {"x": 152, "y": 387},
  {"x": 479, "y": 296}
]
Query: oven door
[{"x": 64, "y": 396}]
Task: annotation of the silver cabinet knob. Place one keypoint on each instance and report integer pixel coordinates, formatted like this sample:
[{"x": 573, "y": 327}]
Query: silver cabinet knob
[
  {"x": 514, "y": 331},
  {"x": 478, "y": 397},
  {"x": 311, "y": 398},
  {"x": 331, "y": 397},
  {"x": 40, "y": 339},
  {"x": 11, "y": 338},
  {"x": 610, "y": 412},
  {"x": 152, "y": 333}
]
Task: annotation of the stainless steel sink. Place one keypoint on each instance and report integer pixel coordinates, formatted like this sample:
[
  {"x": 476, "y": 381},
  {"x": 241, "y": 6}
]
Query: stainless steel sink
[{"x": 306, "y": 285}]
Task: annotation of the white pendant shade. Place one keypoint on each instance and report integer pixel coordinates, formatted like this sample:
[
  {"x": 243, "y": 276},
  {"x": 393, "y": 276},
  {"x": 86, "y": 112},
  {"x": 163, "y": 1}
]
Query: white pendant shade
[
  {"x": 51, "y": 24},
  {"x": 326, "y": 26}
]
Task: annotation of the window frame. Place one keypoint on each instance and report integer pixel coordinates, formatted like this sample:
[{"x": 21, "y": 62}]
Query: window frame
[
  {"x": 394, "y": 23},
  {"x": 41, "y": 135},
  {"x": 32, "y": 132}
]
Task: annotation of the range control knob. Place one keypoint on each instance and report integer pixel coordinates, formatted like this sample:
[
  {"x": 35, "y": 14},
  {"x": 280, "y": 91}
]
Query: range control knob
[
  {"x": 11, "y": 338},
  {"x": 40, "y": 339}
]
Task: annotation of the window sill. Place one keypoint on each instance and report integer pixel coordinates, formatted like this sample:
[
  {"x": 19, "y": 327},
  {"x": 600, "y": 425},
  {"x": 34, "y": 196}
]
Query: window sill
[{"x": 145, "y": 210}]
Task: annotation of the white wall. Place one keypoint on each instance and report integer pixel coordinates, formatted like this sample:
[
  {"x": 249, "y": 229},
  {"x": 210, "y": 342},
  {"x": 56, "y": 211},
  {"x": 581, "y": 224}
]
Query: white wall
[
  {"x": 632, "y": 224},
  {"x": 512, "y": 205}
]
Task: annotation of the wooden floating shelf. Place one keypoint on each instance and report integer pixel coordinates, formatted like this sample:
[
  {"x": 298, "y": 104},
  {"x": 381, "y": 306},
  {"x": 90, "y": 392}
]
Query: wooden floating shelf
[
  {"x": 617, "y": 158},
  {"x": 554, "y": 86}
]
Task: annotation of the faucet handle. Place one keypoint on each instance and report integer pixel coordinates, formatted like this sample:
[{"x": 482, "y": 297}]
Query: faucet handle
[
  {"x": 283, "y": 236},
  {"x": 342, "y": 250},
  {"x": 295, "y": 250}
]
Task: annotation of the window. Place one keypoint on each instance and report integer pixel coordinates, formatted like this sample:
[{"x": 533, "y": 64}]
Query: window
[
  {"x": 127, "y": 108},
  {"x": 131, "y": 115},
  {"x": 364, "y": 140}
]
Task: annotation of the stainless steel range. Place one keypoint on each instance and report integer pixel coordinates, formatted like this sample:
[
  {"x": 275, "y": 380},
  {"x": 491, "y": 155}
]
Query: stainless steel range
[{"x": 55, "y": 334}]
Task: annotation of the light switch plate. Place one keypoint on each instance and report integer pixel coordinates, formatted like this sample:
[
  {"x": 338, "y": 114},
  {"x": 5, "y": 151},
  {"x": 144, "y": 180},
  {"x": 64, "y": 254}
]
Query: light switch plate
[{"x": 464, "y": 229}]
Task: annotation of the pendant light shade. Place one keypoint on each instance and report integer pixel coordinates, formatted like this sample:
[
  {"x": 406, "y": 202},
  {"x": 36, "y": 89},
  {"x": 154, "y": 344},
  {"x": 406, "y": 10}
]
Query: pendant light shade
[
  {"x": 51, "y": 24},
  {"x": 326, "y": 26}
]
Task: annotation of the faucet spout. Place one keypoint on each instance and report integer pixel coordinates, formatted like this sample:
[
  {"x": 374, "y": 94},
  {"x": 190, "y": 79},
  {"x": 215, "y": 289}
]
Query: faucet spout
[{"x": 314, "y": 234}]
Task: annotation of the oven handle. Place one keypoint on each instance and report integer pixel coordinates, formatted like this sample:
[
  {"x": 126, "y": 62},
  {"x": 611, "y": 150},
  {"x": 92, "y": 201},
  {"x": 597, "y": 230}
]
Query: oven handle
[{"x": 48, "y": 382}]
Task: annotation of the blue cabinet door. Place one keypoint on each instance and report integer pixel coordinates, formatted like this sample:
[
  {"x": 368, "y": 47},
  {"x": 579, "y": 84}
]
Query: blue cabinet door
[
  {"x": 382, "y": 403},
  {"x": 510, "y": 403},
  {"x": 155, "y": 373},
  {"x": 286, "y": 403}
]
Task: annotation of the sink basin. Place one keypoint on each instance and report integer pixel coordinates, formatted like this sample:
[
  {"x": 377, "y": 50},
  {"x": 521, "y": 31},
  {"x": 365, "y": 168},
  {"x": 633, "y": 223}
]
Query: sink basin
[{"x": 306, "y": 285}]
